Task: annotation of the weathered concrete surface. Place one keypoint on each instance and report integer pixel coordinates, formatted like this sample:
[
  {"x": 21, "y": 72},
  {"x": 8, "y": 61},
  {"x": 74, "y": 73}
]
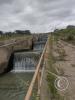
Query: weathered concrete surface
[
  {"x": 23, "y": 44},
  {"x": 4, "y": 58},
  {"x": 6, "y": 51}
]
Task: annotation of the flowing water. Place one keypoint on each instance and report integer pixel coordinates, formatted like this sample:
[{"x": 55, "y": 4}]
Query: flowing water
[
  {"x": 25, "y": 61},
  {"x": 14, "y": 85},
  {"x": 38, "y": 46}
]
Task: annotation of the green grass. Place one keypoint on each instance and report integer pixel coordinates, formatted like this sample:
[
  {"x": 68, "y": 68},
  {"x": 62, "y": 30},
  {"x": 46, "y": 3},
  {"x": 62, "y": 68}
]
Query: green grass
[
  {"x": 6, "y": 37},
  {"x": 67, "y": 34},
  {"x": 51, "y": 68}
]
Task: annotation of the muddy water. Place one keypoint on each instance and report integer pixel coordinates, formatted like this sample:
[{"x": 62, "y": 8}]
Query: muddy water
[{"x": 13, "y": 86}]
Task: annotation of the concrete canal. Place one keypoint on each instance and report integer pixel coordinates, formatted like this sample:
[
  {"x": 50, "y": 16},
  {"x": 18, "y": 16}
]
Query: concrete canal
[{"x": 14, "y": 84}]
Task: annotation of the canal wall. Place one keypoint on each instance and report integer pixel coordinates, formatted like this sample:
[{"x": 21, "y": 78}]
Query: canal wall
[{"x": 4, "y": 58}]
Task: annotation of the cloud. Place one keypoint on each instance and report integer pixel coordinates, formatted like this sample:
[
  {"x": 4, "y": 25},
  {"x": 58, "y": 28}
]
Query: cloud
[
  {"x": 36, "y": 15},
  {"x": 6, "y": 1}
]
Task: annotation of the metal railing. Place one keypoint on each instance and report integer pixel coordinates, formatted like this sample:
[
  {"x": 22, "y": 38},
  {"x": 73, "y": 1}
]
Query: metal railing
[{"x": 37, "y": 76}]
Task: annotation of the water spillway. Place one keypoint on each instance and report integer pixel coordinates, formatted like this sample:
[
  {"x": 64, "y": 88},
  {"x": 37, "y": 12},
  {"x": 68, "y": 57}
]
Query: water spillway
[
  {"x": 14, "y": 85},
  {"x": 25, "y": 61},
  {"x": 39, "y": 45}
]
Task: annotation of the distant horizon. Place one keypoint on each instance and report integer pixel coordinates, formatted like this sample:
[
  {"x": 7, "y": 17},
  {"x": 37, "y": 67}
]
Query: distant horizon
[{"x": 38, "y": 32}]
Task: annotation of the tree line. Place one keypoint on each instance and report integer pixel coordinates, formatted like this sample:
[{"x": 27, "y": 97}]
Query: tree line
[{"x": 18, "y": 32}]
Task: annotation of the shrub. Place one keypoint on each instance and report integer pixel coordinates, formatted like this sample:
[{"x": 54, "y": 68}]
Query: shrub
[{"x": 70, "y": 38}]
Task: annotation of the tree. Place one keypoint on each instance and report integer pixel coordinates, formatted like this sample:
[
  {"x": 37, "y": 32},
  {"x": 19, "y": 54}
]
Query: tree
[
  {"x": 26, "y": 32},
  {"x": 1, "y": 32}
]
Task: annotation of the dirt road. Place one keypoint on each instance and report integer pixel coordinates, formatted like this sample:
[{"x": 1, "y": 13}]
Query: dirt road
[{"x": 68, "y": 67}]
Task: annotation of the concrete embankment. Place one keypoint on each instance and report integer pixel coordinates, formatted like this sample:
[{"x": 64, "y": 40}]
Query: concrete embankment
[{"x": 4, "y": 58}]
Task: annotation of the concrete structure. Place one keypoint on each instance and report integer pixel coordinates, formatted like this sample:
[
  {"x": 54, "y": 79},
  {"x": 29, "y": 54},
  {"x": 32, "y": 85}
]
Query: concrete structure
[{"x": 8, "y": 48}]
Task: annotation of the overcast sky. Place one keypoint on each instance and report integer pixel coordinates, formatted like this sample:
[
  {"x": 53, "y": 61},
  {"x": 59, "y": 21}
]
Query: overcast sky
[{"x": 36, "y": 15}]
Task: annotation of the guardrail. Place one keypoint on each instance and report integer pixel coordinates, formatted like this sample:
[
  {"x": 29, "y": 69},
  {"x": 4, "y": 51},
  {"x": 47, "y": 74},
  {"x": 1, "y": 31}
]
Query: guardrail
[{"x": 37, "y": 76}]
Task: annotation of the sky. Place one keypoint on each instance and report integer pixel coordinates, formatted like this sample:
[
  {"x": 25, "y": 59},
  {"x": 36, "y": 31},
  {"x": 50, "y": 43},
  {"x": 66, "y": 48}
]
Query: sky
[{"x": 36, "y": 15}]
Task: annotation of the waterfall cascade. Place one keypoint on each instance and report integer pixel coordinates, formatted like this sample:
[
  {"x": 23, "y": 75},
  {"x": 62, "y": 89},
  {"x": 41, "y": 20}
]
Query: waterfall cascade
[{"x": 25, "y": 61}]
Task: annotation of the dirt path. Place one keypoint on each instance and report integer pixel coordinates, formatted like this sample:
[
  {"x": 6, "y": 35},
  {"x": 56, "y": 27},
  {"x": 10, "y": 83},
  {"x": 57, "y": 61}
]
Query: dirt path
[{"x": 68, "y": 66}]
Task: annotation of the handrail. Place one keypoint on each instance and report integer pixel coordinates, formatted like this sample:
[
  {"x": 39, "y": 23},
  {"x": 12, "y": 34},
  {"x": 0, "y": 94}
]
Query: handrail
[{"x": 29, "y": 92}]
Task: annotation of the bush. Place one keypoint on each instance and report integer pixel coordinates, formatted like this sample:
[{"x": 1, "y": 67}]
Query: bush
[{"x": 70, "y": 38}]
